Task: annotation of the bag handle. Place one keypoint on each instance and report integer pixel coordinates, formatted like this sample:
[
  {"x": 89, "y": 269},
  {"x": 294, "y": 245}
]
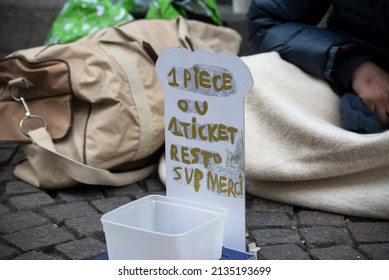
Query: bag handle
[
  {"x": 183, "y": 33},
  {"x": 87, "y": 174},
  {"x": 112, "y": 37}
]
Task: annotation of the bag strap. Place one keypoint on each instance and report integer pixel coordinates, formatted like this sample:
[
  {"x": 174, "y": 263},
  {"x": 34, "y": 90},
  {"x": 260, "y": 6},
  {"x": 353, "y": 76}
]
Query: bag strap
[
  {"x": 146, "y": 128},
  {"x": 87, "y": 174}
]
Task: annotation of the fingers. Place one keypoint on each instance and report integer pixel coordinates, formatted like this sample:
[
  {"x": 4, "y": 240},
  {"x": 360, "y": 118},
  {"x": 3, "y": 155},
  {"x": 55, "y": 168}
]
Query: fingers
[
  {"x": 371, "y": 84},
  {"x": 382, "y": 109},
  {"x": 383, "y": 113}
]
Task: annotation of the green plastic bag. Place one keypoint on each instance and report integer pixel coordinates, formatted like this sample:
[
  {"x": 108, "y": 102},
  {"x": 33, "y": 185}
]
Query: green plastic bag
[
  {"x": 204, "y": 10},
  {"x": 82, "y": 17}
]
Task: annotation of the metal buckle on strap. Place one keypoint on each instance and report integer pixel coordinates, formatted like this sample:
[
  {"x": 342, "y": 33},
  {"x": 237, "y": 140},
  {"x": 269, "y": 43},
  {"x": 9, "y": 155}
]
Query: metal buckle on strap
[{"x": 22, "y": 82}]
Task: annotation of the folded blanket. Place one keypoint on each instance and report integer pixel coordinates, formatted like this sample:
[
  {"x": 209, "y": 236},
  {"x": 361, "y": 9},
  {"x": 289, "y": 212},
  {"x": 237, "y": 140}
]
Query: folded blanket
[{"x": 297, "y": 152}]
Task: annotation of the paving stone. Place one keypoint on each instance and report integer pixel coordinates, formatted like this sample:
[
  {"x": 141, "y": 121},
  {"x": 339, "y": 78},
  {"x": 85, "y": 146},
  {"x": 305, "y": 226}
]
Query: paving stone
[
  {"x": 35, "y": 16},
  {"x": 87, "y": 248},
  {"x": 375, "y": 251},
  {"x": 325, "y": 236},
  {"x": 154, "y": 185},
  {"x": 18, "y": 157},
  {"x": 283, "y": 252},
  {"x": 21, "y": 220},
  {"x": 370, "y": 232},
  {"x": 78, "y": 194},
  {"x": 3, "y": 209},
  {"x": 8, "y": 146},
  {"x": 7, "y": 252},
  {"x": 108, "y": 204},
  {"x": 353, "y": 219},
  {"x": 268, "y": 219},
  {"x": 34, "y": 255},
  {"x": 8, "y": 174},
  {"x": 274, "y": 236},
  {"x": 18, "y": 187},
  {"x": 132, "y": 189},
  {"x": 262, "y": 205},
  {"x": 341, "y": 252},
  {"x": 6, "y": 155},
  {"x": 60, "y": 212},
  {"x": 316, "y": 218},
  {"x": 31, "y": 201},
  {"x": 86, "y": 226},
  {"x": 38, "y": 237}
]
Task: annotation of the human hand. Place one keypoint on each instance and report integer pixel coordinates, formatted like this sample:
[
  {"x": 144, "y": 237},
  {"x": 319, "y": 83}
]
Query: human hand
[{"x": 371, "y": 84}]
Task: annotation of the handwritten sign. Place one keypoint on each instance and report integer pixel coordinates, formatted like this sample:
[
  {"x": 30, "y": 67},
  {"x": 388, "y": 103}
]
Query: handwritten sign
[{"x": 204, "y": 117}]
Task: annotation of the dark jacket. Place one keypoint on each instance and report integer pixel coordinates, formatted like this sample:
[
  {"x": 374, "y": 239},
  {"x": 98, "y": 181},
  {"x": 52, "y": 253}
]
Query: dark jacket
[{"x": 356, "y": 30}]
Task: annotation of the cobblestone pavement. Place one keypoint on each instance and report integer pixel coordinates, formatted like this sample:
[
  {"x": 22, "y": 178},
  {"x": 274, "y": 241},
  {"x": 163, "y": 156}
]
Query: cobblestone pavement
[{"x": 65, "y": 224}]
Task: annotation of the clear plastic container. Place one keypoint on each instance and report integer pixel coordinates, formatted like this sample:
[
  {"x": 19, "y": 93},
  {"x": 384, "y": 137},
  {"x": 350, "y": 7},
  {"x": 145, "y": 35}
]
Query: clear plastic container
[{"x": 160, "y": 227}]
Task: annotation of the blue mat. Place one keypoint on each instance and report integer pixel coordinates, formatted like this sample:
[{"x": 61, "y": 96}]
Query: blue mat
[{"x": 227, "y": 254}]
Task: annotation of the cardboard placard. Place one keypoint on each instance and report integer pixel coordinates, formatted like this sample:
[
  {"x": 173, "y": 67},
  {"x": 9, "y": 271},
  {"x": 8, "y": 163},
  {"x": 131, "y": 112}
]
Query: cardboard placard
[{"x": 204, "y": 118}]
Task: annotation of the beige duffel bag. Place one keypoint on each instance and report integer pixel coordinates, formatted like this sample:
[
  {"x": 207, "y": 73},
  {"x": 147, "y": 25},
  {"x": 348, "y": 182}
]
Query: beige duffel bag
[{"x": 94, "y": 108}]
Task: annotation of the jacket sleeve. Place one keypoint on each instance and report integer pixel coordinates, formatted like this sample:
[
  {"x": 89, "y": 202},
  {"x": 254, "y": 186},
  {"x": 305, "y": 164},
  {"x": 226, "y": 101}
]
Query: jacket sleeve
[{"x": 290, "y": 28}]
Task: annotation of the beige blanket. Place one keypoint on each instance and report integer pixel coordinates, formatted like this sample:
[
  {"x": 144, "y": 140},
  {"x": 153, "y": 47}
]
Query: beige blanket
[{"x": 296, "y": 153}]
